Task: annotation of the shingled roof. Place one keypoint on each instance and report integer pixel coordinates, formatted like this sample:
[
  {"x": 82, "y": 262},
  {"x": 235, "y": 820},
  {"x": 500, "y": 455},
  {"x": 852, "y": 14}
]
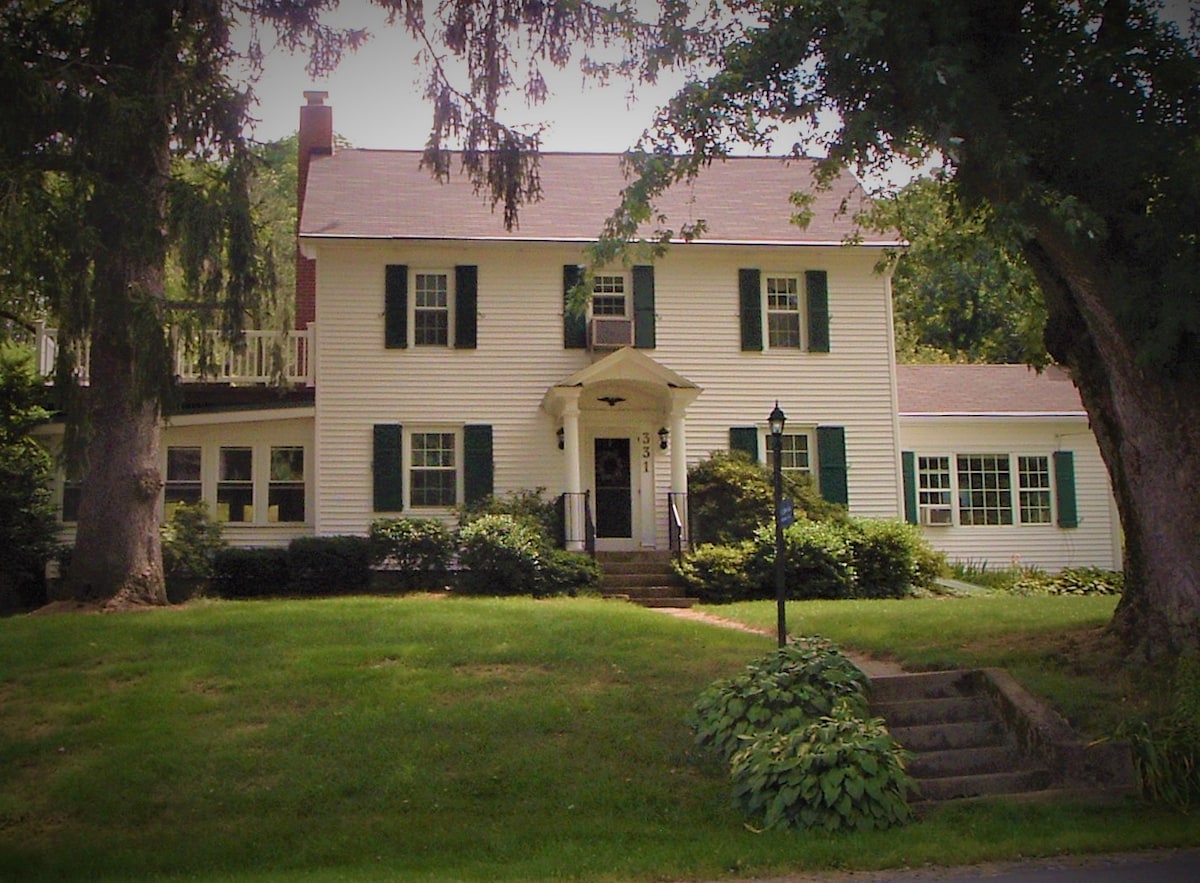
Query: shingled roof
[
  {"x": 980, "y": 390},
  {"x": 385, "y": 194}
]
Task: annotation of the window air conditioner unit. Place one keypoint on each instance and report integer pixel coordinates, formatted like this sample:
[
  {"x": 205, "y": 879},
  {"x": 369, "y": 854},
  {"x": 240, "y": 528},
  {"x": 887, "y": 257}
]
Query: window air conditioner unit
[
  {"x": 937, "y": 516},
  {"x": 610, "y": 332}
]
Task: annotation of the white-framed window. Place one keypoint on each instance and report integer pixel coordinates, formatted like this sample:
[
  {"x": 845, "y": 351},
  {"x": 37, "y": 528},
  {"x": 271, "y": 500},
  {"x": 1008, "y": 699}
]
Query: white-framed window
[
  {"x": 235, "y": 484},
  {"x": 782, "y": 294},
  {"x": 184, "y": 477},
  {"x": 433, "y": 469},
  {"x": 984, "y": 489},
  {"x": 794, "y": 453},
  {"x": 285, "y": 489},
  {"x": 610, "y": 295},
  {"x": 1033, "y": 489},
  {"x": 934, "y": 491},
  {"x": 431, "y": 308}
]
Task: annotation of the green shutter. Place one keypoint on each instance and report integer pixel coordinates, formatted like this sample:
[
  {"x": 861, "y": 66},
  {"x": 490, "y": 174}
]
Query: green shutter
[
  {"x": 643, "y": 307},
  {"x": 831, "y": 461},
  {"x": 388, "y": 468},
  {"x": 908, "y": 462},
  {"x": 816, "y": 287},
  {"x": 466, "y": 306},
  {"x": 750, "y": 298},
  {"x": 477, "y": 463},
  {"x": 1064, "y": 488},
  {"x": 574, "y": 324},
  {"x": 744, "y": 438},
  {"x": 395, "y": 306}
]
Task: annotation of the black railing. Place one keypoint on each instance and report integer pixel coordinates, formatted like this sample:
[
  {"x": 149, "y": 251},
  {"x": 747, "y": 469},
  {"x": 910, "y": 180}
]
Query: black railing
[
  {"x": 676, "y": 519},
  {"x": 575, "y": 521}
]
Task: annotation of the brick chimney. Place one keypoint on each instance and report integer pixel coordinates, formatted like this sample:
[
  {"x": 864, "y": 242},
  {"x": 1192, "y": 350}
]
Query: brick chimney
[{"x": 315, "y": 139}]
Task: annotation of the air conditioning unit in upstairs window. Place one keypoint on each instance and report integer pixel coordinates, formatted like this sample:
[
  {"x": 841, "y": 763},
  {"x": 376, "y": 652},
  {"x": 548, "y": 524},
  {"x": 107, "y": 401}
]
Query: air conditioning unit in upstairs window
[
  {"x": 610, "y": 332},
  {"x": 937, "y": 516}
]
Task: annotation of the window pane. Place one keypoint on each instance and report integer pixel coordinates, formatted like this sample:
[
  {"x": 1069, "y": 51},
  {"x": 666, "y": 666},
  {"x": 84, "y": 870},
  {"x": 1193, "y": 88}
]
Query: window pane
[
  {"x": 1034, "y": 476},
  {"x": 235, "y": 489},
  {"x": 287, "y": 464},
  {"x": 236, "y": 464},
  {"x": 793, "y": 453},
  {"x": 984, "y": 489}
]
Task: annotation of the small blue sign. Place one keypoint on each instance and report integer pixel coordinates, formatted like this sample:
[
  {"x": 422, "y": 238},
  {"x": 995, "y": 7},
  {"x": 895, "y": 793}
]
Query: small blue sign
[{"x": 787, "y": 514}]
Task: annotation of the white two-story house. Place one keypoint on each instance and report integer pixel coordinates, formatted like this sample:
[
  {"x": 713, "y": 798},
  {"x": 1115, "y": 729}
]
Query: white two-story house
[{"x": 436, "y": 360}]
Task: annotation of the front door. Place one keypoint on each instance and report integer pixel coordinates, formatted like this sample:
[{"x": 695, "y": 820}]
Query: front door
[{"x": 614, "y": 495}]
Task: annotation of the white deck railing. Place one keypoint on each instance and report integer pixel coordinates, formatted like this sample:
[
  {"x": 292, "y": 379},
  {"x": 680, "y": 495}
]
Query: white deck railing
[{"x": 256, "y": 357}]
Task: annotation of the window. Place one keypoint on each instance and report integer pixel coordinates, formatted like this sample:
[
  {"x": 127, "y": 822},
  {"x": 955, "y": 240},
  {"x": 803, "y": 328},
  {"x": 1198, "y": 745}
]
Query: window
[
  {"x": 984, "y": 489},
  {"x": 783, "y": 311},
  {"x": 431, "y": 309},
  {"x": 285, "y": 492},
  {"x": 72, "y": 489},
  {"x": 1033, "y": 477},
  {"x": 235, "y": 485},
  {"x": 433, "y": 476},
  {"x": 183, "y": 478},
  {"x": 793, "y": 453},
  {"x": 608, "y": 295},
  {"x": 933, "y": 490}
]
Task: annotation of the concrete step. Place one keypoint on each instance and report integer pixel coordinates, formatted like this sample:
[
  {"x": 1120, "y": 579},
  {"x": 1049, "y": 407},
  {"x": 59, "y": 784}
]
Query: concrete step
[
  {"x": 620, "y": 580},
  {"x": 927, "y": 685},
  {"x": 923, "y": 712},
  {"x": 943, "y": 736},
  {"x": 1015, "y": 782},
  {"x": 647, "y": 591},
  {"x": 951, "y": 762},
  {"x": 623, "y": 567}
]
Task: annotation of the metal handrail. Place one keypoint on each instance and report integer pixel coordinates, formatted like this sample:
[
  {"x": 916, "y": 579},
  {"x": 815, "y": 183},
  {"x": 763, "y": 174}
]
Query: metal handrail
[{"x": 676, "y": 535}]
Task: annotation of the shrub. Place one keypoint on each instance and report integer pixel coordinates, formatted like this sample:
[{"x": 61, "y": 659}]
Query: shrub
[
  {"x": 730, "y": 497},
  {"x": 526, "y": 504},
  {"x": 1069, "y": 581},
  {"x": 840, "y": 772},
  {"x": 502, "y": 555},
  {"x": 418, "y": 548},
  {"x": 329, "y": 565},
  {"x": 819, "y": 560},
  {"x": 891, "y": 558},
  {"x": 786, "y": 689},
  {"x": 1166, "y": 752},
  {"x": 251, "y": 573},
  {"x": 718, "y": 574},
  {"x": 567, "y": 573},
  {"x": 190, "y": 541}
]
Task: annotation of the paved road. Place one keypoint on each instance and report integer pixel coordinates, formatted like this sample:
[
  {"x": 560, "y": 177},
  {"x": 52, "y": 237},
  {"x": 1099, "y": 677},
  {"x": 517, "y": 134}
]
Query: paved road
[{"x": 1163, "y": 866}]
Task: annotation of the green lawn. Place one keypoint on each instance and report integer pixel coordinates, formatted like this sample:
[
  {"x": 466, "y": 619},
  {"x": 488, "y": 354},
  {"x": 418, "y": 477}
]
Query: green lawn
[{"x": 380, "y": 739}]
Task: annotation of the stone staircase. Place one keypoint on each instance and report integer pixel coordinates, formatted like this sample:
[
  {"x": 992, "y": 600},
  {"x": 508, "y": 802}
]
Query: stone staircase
[
  {"x": 978, "y": 733},
  {"x": 644, "y": 577}
]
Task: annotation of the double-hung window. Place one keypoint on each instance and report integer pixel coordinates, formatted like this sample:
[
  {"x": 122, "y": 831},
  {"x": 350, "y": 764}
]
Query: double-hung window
[
  {"x": 235, "y": 485},
  {"x": 984, "y": 489},
  {"x": 285, "y": 491},
  {"x": 934, "y": 492},
  {"x": 783, "y": 311},
  {"x": 794, "y": 454},
  {"x": 1033, "y": 477},
  {"x": 183, "y": 477},
  {"x": 433, "y": 470},
  {"x": 431, "y": 309},
  {"x": 608, "y": 295}
]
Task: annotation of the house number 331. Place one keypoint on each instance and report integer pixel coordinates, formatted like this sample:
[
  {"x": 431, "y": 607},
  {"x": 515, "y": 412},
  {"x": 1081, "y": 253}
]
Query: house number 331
[{"x": 646, "y": 452}]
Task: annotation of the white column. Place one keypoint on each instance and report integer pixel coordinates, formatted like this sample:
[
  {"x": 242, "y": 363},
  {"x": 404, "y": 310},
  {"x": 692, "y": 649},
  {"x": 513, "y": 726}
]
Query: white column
[{"x": 573, "y": 479}]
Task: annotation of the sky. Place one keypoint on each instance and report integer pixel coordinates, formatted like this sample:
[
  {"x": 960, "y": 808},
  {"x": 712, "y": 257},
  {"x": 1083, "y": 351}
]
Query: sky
[{"x": 377, "y": 101}]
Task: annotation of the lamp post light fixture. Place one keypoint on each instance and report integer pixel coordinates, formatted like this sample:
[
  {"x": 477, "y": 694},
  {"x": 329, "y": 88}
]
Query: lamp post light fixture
[{"x": 776, "y": 422}]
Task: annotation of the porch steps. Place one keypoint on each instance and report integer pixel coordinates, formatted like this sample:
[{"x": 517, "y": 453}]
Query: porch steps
[
  {"x": 977, "y": 733},
  {"x": 642, "y": 577}
]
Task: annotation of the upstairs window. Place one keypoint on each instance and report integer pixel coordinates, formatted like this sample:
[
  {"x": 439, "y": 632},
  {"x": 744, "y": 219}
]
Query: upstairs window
[
  {"x": 431, "y": 309},
  {"x": 608, "y": 295},
  {"x": 783, "y": 311}
]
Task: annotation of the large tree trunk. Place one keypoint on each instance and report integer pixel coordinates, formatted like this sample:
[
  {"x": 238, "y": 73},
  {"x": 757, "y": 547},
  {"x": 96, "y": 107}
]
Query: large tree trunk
[
  {"x": 1147, "y": 425},
  {"x": 118, "y": 555}
]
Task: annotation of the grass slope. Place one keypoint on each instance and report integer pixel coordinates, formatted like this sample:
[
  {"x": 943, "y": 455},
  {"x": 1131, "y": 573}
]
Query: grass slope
[{"x": 369, "y": 739}]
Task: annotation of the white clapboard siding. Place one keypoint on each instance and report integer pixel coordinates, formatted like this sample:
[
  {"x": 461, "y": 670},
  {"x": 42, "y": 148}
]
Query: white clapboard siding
[
  {"x": 1094, "y": 543},
  {"x": 520, "y": 355}
]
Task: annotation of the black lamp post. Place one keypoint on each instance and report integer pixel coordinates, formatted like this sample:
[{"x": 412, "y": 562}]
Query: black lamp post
[{"x": 776, "y": 421}]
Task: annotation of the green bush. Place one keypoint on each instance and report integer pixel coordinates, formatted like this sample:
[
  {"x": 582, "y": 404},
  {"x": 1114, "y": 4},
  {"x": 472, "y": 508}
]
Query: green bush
[
  {"x": 719, "y": 574},
  {"x": 526, "y": 504},
  {"x": 730, "y": 497},
  {"x": 819, "y": 561},
  {"x": 1166, "y": 752},
  {"x": 419, "y": 549},
  {"x": 190, "y": 541},
  {"x": 251, "y": 573},
  {"x": 1069, "y": 581},
  {"x": 786, "y": 689},
  {"x": 567, "y": 573},
  {"x": 840, "y": 772},
  {"x": 502, "y": 555},
  {"x": 329, "y": 565},
  {"x": 891, "y": 558}
]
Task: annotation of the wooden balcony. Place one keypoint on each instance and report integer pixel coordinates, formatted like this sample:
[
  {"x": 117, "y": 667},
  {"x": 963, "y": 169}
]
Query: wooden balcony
[{"x": 256, "y": 357}]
